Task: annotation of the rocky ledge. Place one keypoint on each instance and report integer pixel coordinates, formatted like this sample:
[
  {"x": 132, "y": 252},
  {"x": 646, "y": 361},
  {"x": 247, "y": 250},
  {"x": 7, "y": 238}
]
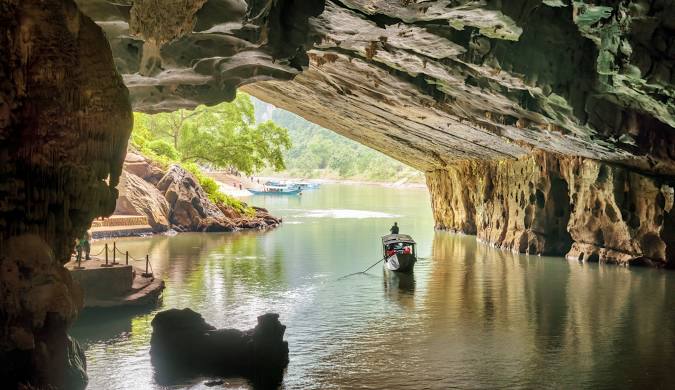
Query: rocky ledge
[
  {"x": 174, "y": 199},
  {"x": 184, "y": 345}
]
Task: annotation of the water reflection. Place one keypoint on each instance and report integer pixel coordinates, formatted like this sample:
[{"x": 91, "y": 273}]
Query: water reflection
[
  {"x": 469, "y": 317},
  {"x": 399, "y": 288},
  {"x": 546, "y": 322}
]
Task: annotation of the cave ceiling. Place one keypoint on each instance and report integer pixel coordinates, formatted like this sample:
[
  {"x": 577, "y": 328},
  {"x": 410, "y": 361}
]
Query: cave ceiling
[{"x": 426, "y": 82}]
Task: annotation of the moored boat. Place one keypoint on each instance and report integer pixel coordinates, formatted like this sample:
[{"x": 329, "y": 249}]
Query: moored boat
[
  {"x": 307, "y": 186},
  {"x": 399, "y": 252},
  {"x": 277, "y": 190}
]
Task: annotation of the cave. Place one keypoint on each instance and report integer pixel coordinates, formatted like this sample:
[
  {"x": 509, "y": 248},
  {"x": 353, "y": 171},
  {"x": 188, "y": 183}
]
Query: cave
[{"x": 524, "y": 116}]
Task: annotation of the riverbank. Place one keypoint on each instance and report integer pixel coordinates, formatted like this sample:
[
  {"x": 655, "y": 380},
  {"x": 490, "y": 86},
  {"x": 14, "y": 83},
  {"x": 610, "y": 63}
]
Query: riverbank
[
  {"x": 398, "y": 184},
  {"x": 238, "y": 186},
  {"x": 175, "y": 199}
]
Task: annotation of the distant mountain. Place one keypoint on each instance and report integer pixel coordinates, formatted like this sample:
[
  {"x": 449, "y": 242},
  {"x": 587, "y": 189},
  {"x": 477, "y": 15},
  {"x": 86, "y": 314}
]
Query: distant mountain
[{"x": 320, "y": 153}]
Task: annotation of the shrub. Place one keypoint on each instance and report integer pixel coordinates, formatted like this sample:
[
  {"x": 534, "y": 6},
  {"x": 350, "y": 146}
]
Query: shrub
[
  {"x": 213, "y": 191},
  {"x": 163, "y": 148}
]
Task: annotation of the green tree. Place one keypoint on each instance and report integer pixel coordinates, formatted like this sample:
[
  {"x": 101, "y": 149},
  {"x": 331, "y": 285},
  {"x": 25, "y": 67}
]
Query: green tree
[{"x": 224, "y": 135}]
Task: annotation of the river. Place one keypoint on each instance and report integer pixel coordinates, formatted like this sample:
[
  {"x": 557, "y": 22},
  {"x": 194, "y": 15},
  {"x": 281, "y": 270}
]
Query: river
[{"x": 470, "y": 317}]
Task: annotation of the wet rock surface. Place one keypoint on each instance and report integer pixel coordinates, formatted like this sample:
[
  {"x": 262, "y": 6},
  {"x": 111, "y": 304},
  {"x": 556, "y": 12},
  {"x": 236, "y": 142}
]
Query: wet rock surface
[
  {"x": 65, "y": 119},
  {"x": 551, "y": 204},
  {"x": 183, "y": 345}
]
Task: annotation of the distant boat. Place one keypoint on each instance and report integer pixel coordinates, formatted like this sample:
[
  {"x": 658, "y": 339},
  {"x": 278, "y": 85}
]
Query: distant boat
[
  {"x": 399, "y": 252},
  {"x": 275, "y": 183},
  {"x": 307, "y": 186},
  {"x": 278, "y": 190}
]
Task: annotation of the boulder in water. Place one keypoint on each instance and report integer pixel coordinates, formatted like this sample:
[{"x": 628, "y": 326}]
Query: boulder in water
[{"x": 183, "y": 344}]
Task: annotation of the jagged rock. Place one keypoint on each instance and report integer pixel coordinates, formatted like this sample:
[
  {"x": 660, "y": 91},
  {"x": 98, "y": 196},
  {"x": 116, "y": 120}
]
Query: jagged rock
[
  {"x": 65, "y": 119},
  {"x": 139, "y": 166},
  {"x": 428, "y": 82},
  {"x": 38, "y": 300},
  {"x": 181, "y": 53},
  {"x": 183, "y": 344},
  {"x": 550, "y": 204},
  {"x": 191, "y": 209},
  {"x": 261, "y": 220},
  {"x": 138, "y": 197}
]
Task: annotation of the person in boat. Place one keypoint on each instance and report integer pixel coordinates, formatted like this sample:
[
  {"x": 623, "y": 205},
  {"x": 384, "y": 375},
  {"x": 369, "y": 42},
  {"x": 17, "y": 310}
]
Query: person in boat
[{"x": 394, "y": 229}]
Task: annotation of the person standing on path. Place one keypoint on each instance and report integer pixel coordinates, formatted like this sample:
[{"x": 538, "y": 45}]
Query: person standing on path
[
  {"x": 83, "y": 244},
  {"x": 394, "y": 229}
]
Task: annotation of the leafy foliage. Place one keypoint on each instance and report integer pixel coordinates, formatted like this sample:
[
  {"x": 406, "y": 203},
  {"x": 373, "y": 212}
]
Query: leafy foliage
[{"x": 224, "y": 136}]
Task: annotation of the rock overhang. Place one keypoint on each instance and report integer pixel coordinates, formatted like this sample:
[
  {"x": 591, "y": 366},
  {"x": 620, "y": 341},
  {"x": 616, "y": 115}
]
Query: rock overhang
[{"x": 427, "y": 82}]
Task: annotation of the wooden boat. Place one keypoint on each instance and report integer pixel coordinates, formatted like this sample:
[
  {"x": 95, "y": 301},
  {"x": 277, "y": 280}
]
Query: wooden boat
[
  {"x": 399, "y": 252},
  {"x": 307, "y": 186},
  {"x": 278, "y": 190},
  {"x": 291, "y": 184}
]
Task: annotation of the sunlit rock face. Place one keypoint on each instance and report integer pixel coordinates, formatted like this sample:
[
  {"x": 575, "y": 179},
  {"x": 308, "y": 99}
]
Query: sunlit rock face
[
  {"x": 181, "y": 53},
  {"x": 436, "y": 82},
  {"x": 64, "y": 123},
  {"x": 550, "y": 204}
]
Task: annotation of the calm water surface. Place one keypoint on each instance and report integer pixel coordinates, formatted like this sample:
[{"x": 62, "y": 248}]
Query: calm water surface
[{"x": 470, "y": 316}]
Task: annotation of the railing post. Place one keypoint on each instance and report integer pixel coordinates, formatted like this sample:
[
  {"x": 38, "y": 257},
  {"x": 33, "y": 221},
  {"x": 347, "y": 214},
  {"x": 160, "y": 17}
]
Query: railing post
[
  {"x": 147, "y": 273},
  {"x": 127, "y": 258},
  {"x": 79, "y": 261},
  {"x": 114, "y": 253},
  {"x": 106, "y": 257}
]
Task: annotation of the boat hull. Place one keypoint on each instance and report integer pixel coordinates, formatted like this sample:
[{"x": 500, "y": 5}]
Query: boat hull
[
  {"x": 289, "y": 192},
  {"x": 400, "y": 262}
]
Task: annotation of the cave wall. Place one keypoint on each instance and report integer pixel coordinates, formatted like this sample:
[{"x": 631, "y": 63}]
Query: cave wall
[
  {"x": 65, "y": 119},
  {"x": 181, "y": 53},
  {"x": 551, "y": 204}
]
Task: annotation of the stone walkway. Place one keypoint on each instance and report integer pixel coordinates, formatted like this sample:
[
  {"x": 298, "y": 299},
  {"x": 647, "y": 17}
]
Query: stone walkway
[{"x": 115, "y": 286}]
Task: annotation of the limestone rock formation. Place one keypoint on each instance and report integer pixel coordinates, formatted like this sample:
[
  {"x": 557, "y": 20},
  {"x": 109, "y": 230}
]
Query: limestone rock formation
[
  {"x": 65, "y": 119},
  {"x": 550, "y": 204},
  {"x": 183, "y": 344},
  {"x": 191, "y": 209},
  {"x": 428, "y": 82},
  {"x": 179, "y": 53},
  {"x": 139, "y": 166},
  {"x": 138, "y": 197}
]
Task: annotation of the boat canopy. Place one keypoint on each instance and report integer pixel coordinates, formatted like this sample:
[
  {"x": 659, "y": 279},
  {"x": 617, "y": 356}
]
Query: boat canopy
[{"x": 394, "y": 238}]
